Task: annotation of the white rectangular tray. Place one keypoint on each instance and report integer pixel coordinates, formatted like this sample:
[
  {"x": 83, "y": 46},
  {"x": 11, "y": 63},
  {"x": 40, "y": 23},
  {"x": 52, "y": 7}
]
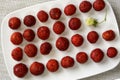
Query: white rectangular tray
[{"x": 79, "y": 71}]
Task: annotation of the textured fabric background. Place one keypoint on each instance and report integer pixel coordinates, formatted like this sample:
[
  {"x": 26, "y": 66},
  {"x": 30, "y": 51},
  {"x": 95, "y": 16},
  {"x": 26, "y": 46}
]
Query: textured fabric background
[{"x": 7, "y": 6}]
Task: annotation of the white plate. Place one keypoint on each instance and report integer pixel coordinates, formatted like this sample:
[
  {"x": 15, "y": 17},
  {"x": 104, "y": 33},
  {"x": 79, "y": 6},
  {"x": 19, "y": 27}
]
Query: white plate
[{"x": 79, "y": 71}]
